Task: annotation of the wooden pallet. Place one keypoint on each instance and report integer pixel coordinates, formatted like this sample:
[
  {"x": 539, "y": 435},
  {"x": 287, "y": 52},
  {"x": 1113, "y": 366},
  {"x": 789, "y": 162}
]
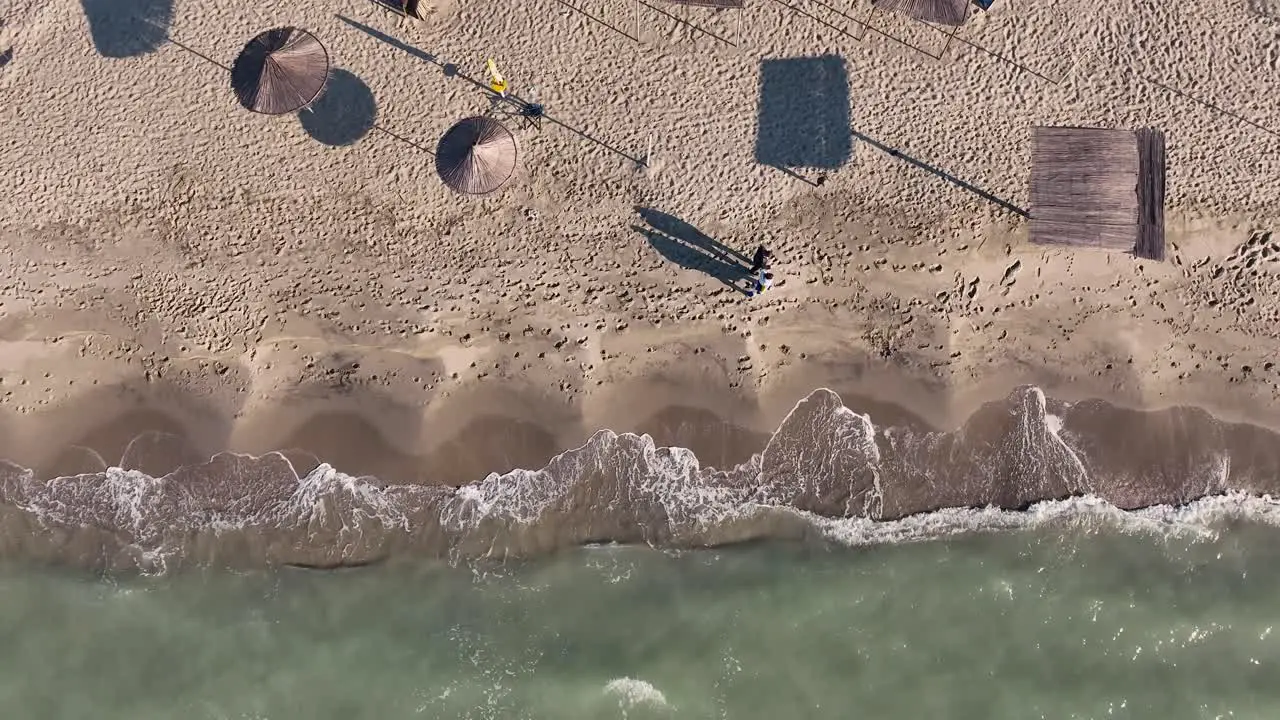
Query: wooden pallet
[{"x": 1151, "y": 174}]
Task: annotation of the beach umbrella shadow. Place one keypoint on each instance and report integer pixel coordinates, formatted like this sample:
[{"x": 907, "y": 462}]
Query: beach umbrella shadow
[
  {"x": 344, "y": 114},
  {"x": 803, "y": 117},
  {"x": 127, "y": 28}
]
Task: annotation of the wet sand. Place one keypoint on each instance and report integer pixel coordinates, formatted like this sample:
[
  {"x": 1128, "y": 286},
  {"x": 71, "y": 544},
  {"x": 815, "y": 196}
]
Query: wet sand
[{"x": 181, "y": 277}]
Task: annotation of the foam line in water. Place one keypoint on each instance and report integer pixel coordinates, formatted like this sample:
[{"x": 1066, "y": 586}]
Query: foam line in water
[{"x": 827, "y": 471}]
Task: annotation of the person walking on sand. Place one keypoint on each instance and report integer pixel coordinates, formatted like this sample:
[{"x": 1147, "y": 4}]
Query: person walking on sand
[
  {"x": 764, "y": 281},
  {"x": 760, "y": 260}
]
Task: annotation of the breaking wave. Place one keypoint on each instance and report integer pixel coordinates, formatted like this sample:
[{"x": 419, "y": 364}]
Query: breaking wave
[
  {"x": 631, "y": 693},
  {"x": 828, "y": 472}
]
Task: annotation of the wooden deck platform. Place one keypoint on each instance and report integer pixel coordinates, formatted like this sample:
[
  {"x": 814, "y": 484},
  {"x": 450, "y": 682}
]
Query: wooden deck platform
[{"x": 1097, "y": 187}]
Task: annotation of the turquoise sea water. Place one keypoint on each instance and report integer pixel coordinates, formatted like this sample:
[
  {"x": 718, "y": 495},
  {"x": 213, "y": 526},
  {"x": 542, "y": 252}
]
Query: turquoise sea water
[{"x": 1051, "y": 623}]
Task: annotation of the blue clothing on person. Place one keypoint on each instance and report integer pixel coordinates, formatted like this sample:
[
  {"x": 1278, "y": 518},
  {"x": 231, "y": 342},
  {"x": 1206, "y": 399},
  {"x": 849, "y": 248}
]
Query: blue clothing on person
[{"x": 764, "y": 281}]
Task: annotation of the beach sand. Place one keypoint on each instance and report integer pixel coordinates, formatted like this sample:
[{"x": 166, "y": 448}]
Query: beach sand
[{"x": 306, "y": 283}]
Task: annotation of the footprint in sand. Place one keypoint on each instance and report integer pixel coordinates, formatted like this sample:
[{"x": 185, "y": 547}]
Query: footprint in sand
[
  {"x": 1011, "y": 274},
  {"x": 1256, "y": 252}
]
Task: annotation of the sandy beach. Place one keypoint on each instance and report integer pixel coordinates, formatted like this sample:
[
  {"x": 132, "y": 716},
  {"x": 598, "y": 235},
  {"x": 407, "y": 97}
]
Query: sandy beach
[{"x": 170, "y": 262}]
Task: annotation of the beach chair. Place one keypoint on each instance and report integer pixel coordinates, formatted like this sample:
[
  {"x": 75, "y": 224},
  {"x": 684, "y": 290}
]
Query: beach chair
[
  {"x": 415, "y": 9},
  {"x": 497, "y": 83}
]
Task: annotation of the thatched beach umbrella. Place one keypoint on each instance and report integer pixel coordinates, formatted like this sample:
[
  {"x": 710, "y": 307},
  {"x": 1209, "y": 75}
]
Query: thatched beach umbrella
[
  {"x": 944, "y": 12},
  {"x": 280, "y": 71},
  {"x": 476, "y": 156}
]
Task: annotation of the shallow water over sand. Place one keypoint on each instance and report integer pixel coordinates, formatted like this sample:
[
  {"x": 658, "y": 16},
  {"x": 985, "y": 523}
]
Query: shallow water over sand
[
  {"x": 826, "y": 468},
  {"x": 1056, "y": 622}
]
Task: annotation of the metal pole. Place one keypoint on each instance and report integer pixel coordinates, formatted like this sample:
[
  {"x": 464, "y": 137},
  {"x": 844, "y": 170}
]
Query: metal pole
[{"x": 637, "y": 14}]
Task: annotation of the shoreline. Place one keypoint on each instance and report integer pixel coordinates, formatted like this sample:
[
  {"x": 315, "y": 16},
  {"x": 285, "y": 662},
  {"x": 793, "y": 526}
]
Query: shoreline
[
  {"x": 360, "y": 410},
  {"x": 307, "y": 283},
  {"x": 826, "y": 473}
]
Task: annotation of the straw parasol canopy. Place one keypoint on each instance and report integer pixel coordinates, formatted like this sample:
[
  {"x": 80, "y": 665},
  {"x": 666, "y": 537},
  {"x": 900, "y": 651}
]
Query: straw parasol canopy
[
  {"x": 476, "y": 156},
  {"x": 280, "y": 71},
  {"x": 943, "y": 12}
]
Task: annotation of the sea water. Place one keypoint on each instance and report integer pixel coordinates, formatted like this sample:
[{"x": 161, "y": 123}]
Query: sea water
[{"x": 1054, "y": 621}]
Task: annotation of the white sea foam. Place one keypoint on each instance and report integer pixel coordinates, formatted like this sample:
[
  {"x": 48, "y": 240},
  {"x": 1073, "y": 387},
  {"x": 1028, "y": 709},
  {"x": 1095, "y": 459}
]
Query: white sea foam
[
  {"x": 519, "y": 496},
  {"x": 623, "y": 481},
  {"x": 1054, "y": 423},
  {"x": 1203, "y": 519},
  {"x": 874, "y": 504},
  {"x": 632, "y": 693}
]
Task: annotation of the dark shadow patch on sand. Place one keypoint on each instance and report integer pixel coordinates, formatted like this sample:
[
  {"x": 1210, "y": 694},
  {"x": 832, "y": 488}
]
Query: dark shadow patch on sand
[
  {"x": 344, "y": 114},
  {"x": 127, "y": 28},
  {"x": 803, "y": 114}
]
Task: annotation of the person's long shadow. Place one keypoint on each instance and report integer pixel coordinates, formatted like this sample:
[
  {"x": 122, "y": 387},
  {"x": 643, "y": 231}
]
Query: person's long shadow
[
  {"x": 688, "y": 247},
  {"x": 681, "y": 230}
]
